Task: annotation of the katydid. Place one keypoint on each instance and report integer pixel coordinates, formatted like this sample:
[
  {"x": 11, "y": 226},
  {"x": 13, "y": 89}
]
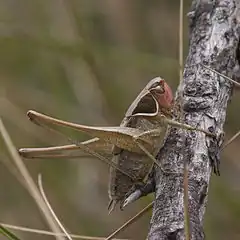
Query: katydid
[
  {"x": 136, "y": 141},
  {"x": 156, "y": 102}
]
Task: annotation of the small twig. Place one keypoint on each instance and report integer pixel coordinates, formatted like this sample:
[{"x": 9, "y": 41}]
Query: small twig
[
  {"x": 29, "y": 181},
  {"x": 44, "y": 232},
  {"x": 130, "y": 221},
  {"x": 185, "y": 177},
  {"x": 12, "y": 169},
  {"x": 218, "y": 73},
  {"x": 231, "y": 140},
  {"x": 185, "y": 200},
  {"x": 40, "y": 185},
  {"x": 180, "y": 40}
]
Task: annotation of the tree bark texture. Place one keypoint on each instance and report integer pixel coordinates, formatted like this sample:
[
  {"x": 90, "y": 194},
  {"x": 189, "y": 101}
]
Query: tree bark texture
[{"x": 214, "y": 41}]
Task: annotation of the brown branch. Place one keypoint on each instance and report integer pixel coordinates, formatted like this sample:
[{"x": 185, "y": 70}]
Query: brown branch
[{"x": 214, "y": 39}]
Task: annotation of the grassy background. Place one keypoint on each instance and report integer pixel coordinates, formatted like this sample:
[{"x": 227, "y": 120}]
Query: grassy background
[{"x": 85, "y": 61}]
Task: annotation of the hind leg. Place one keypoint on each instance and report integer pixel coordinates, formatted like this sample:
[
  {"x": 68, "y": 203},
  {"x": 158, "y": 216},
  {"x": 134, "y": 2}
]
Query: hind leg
[
  {"x": 152, "y": 133},
  {"x": 148, "y": 134}
]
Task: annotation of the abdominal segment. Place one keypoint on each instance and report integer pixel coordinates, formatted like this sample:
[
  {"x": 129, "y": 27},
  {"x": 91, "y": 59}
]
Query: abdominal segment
[{"x": 136, "y": 164}]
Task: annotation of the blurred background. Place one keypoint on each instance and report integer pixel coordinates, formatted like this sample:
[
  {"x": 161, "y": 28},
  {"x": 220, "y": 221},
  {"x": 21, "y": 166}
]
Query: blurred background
[{"x": 85, "y": 61}]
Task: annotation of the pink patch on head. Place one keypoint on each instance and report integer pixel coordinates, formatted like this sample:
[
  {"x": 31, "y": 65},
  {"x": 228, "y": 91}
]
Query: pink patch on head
[{"x": 166, "y": 99}]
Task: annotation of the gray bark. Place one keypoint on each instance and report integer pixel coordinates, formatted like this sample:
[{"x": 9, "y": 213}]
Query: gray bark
[{"x": 214, "y": 41}]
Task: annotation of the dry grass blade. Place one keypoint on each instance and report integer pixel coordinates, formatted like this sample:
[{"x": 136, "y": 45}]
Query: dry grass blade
[
  {"x": 185, "y": 200},
  {"x": 43, "y": 232},
  {"x": 185, "y": 177},
  {"x": 28, "y": 179},
  {"x": 130, "y": 221},
  {"x": 231, "y": 140},
  {"x": 40, "y": 185},
  {"x": 12, "y": 169},
  {"x": 228, "y": 78},
  {"x": 180, "y": 40}
]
